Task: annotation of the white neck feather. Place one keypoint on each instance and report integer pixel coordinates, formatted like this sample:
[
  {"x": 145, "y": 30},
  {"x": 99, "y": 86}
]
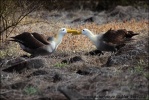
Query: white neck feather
[
  {"x": 91, "y": 36},
  {"x": 58, "y": 39}
]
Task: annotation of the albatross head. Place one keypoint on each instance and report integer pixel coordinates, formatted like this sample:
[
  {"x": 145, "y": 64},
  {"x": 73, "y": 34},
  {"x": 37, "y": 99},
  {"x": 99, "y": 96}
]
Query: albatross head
[
  {"x": 58, "y": 38},
  {"x": 86, "y": 31}
]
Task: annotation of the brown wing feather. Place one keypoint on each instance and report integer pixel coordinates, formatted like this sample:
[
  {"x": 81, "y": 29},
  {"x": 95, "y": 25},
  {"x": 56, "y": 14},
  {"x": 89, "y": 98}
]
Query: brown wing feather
[
  {"x": 40, "y": 38},
  {"x": 28, "y": 40},
  {"x": 115, "y": 37}
]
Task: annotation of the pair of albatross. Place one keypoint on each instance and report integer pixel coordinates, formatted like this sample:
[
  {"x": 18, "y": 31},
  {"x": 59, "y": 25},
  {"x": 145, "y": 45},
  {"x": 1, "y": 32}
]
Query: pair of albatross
[
  {"x": 110, "y": 41},
  {"x": 36, "y": 44}
]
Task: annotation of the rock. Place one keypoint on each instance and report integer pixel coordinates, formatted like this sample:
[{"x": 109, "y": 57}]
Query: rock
[
  {"x": 38, "y": 72},
  {"x": 18, "y": 85},
  {"x": 123, "y": 11},
  {"x": 128, "y": 54},
  {"x": 70, "y": 94},
  {"x": 57, "y": 78},
  {"x": 19, "y": 67},
  {"x": 76, "y": 20},
  {"x": 90, "y": 19},
  {"x": 82, "y": 72},
  {"x": 88, "y": 71},
  {"x": 94, "y": 52},
  {"x": 72, "y": 60},
  {"x": 12, "y": 61}
]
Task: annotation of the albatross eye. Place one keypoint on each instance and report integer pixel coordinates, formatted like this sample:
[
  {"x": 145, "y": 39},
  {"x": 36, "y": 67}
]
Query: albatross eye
[
  {"x": 83, "y": 30},
  {"x": 63, "y": 29}
]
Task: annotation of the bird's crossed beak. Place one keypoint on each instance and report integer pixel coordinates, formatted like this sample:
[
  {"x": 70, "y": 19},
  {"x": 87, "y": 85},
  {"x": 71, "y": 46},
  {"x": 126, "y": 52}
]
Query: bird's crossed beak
[{"x": 73, "y": 32}]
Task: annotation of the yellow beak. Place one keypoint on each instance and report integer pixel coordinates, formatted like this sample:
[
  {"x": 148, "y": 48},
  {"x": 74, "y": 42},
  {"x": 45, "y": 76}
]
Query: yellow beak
[{"x": 73, "y": 32}]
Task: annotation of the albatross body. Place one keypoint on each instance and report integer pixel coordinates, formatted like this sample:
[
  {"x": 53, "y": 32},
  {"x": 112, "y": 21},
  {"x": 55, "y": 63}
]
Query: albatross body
[
  {"x": 36, "y": 44},
  {"x": 110, "y": 41}
]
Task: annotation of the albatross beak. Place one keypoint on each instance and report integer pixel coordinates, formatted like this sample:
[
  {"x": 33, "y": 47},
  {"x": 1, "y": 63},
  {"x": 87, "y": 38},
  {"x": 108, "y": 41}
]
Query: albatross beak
[{"x": 73, "y": 32}]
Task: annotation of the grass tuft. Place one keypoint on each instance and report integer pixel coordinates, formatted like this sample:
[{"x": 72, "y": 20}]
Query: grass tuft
[
  {"x": 60, "y": 65},
  {"x": 31, "y": 90}
]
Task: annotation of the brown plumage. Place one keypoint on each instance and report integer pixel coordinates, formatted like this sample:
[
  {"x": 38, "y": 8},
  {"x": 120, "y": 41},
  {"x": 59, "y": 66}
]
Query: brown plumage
[
  {"x": 28, "y": 40},
  {"x": 40, "y": 37},
  {"x": 33, "y": 43},
  {"x": 118, "y": 36}
]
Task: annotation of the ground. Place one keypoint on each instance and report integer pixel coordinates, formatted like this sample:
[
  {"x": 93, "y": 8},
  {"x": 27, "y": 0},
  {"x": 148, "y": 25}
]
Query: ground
[{"x": 71, "y": 74}]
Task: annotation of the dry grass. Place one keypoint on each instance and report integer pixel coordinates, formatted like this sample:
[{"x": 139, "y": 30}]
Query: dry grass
[{"x": 70, "y": 43}]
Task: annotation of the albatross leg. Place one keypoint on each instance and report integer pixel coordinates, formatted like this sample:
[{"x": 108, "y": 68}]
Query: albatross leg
[
  {"x": 115, "y": 51},
  {"x": 117, "y": 48}
]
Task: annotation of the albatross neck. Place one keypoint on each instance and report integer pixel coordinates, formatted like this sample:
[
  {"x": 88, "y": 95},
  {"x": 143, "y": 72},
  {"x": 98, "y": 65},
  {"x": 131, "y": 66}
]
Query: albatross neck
[
  {"x": 58, "y": 39},
  {"x": 91, "y": 36}
]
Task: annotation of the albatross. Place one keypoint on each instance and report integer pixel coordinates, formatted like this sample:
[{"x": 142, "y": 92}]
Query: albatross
[
  {"x": 110, "y": 41},
  {"x": 36, "y": 44}
]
